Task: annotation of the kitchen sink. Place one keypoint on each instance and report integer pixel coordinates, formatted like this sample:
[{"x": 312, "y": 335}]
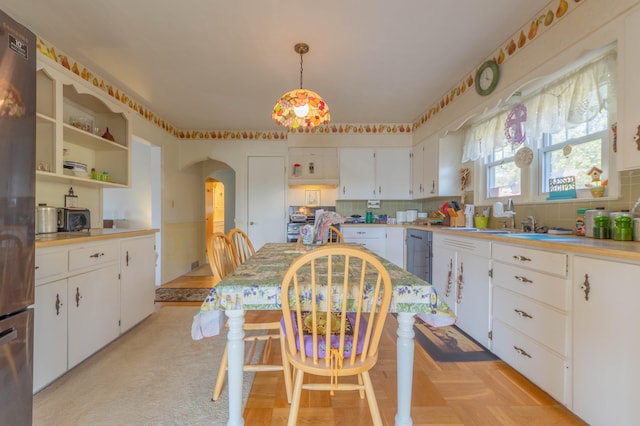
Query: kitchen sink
[
  {"x": 481, "y": 230},
  {"x": 543, "y": 237}
]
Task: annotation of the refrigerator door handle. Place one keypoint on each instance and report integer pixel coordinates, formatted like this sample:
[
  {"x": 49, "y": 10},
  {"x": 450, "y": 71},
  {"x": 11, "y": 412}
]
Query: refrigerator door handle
[{"x": 8, "y": 335}]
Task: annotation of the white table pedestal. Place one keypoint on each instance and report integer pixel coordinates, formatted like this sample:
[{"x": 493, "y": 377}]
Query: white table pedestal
[
  {"x": 404, "y": 347},
  {"x": 235, "y": 352}
]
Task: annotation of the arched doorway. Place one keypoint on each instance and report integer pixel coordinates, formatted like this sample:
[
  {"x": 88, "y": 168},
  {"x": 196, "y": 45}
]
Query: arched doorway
[{"x": 214, "y": 206}]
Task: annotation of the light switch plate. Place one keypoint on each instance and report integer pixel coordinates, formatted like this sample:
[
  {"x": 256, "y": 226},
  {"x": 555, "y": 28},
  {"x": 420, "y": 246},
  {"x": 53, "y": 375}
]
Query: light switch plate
[{"x": 373, "y": 204}]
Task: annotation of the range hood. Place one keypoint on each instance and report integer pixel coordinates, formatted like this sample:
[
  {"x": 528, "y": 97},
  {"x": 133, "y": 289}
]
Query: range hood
[{"x": 325, "y": 183}]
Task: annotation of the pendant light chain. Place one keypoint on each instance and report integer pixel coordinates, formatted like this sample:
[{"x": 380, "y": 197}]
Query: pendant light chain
[{"x": 301, "y": 69}]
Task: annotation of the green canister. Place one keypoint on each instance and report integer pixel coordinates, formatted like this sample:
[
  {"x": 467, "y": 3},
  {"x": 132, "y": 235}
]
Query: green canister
[
  {"x": 623, "y": 230},
  {"x": 601, "y": 228}
]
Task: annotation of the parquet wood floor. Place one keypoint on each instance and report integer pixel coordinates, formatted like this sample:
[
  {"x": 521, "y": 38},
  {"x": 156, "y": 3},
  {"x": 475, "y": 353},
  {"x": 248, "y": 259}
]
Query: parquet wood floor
[{"x": 471, "y": 393}]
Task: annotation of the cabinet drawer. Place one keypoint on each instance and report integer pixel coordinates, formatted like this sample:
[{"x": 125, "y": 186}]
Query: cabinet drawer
[
  {"x": 49, "y": 264},
  {"x": 548, "y": 289},
  {"x": 537, "y": 363},
  {"x": 99, "y": 254},
  {"x": 533, "y": 319},
  {"x": 548, "y": 262},
  {"x": 361, "y": 232}
]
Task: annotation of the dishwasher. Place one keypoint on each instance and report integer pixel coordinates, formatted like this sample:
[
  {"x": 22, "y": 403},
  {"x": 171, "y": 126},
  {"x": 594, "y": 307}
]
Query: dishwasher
[{"x": 419, "y": 254}]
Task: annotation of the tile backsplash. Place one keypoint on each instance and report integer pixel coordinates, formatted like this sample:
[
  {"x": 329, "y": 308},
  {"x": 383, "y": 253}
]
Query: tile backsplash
[{"x": 556, "y": 214}]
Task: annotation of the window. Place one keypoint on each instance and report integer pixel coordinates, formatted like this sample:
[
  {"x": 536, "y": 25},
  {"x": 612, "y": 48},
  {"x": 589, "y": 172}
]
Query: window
[
  {"x": 503, "y": 176},
  {"x": 573, "y": 151},
  {"x": 566, "y": 126}
]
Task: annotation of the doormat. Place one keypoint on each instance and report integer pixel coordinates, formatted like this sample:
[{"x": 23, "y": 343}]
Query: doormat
[
  {"x": 450, "y": 344},
  {"x": 165, "y": 294}
]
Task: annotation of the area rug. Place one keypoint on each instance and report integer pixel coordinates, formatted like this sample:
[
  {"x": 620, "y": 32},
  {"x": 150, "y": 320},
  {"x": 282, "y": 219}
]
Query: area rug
[
  {"x": 164, "y": 294},
  {"x": 153, "y": 375},
  {"x": 450, "y": 344}
]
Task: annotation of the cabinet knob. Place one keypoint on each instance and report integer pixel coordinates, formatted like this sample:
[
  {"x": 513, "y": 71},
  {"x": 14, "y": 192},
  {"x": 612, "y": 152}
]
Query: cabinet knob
[
  {"x": 523, "y": 314},
  {"x": 521, "y": 258},
  {"x": 586, "y": 287},
  {"x": 58, "y": 304},
  {"x": 522, "y": 351}
]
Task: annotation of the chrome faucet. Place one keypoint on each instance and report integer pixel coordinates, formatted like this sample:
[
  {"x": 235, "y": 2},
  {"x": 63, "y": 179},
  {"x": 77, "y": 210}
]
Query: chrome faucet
[
  {"x": 511, "y": 212},
  {"x": 528, "y": 225}
]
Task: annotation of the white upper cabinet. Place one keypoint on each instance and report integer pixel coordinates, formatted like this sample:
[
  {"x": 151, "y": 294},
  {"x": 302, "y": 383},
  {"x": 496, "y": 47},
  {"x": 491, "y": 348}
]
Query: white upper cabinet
[
  {"x": 380, "y": 173},
  {"x": 313, "y": 166},
  {"x": 436, "y": 166},
  {"x": 629, "y": 91},
  {"x": 72, "y": 117}
]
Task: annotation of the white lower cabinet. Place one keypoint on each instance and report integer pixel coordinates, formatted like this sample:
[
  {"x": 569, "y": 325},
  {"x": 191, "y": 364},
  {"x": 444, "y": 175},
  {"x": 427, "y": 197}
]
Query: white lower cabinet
[
  {"x": 373, "y": 238},
  {"x": 94, "y": 312},
  {"x": 461, "y": 278},
  {"x": 606, "y": 341},
  {"x": 530, "y": 315},
  {"x": 137, "y": 280},
  {"x": 50, "y": 336},
  {"x": 395, "y": 246},
  {"x": 78, "y": 306}
]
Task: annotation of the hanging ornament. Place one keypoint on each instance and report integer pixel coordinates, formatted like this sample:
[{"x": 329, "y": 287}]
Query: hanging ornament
[
  {"x": 514, "y": 125},
  {"x": 566, "y": 150}
]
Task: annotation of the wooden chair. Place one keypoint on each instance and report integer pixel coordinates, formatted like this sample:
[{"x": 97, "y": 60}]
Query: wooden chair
[
  {"x": 220, "y": 254},
  {"x": 337, "y": 321},
  {"x": 241, "y": 245},
  {"x": 224, "y": 255},
  {"x": 335, "y": 236}
]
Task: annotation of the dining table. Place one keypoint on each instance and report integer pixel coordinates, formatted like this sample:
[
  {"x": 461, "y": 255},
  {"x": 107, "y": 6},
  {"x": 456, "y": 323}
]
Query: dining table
[{"x": 256, "y": 284}]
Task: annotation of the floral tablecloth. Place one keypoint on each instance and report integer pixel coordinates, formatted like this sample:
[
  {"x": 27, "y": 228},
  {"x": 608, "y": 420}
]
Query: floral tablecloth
[{"x": 255, "y": 285}]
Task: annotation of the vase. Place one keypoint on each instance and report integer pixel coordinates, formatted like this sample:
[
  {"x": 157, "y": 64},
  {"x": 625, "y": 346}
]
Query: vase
[{"x": 597, "y": 191}]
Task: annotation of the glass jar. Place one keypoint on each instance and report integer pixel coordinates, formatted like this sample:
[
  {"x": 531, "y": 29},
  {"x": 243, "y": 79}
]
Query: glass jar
[
  {"x": 369, "y": 217},
  {"x": 623, "y": 231},
  {"x": 580, "y": 222},
  {"x": 601, "y": 227}
]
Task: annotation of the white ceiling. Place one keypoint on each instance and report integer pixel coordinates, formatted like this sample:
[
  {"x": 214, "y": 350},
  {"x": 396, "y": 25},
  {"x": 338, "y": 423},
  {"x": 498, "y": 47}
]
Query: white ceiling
[{"x": 221, "y": 65}]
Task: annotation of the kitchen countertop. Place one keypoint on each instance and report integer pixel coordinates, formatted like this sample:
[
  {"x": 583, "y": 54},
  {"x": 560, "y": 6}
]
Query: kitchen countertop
[
  {"x": 622, "y": 250},
  {"x": 96, "y": 234}
]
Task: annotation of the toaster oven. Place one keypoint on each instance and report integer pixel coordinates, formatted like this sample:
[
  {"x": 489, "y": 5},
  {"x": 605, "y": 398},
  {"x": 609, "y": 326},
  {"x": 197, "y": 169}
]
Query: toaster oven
[{"x": 73, "y": 219}]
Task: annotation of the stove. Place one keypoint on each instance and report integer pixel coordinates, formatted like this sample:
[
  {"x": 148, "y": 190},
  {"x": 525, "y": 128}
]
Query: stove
[{"x": 300, "y": 216}]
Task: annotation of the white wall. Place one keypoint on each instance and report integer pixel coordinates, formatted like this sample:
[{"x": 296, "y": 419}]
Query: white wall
[{"x": 131, "y": 207}]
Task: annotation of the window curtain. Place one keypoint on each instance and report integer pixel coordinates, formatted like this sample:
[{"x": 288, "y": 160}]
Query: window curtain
[{"x": 566, "y": 102}]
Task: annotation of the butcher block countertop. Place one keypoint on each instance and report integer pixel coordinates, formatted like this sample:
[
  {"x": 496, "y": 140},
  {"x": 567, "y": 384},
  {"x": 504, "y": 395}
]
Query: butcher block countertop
[
  {"x": 621, "y": 250},
  {"x": 97, "y": 234}
]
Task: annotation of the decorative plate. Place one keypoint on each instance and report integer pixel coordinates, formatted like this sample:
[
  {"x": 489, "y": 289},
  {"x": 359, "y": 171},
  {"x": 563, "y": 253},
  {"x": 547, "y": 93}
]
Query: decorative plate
[{"x": 524, "y": 157}]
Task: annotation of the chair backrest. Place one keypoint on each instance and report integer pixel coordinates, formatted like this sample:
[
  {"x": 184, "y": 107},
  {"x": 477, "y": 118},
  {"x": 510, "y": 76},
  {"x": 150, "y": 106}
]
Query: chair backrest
[
  {"x": 220, "y": 255},
  {"x": 346, "y": 282},
  {"x": 241, "y": 245},
  {"x": 335, "y": 236}
]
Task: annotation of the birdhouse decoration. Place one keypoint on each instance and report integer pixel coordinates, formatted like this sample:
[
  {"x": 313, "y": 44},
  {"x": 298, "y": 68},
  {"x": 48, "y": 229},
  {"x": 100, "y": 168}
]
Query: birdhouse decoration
[
  {"x": 597, "y": 188},
  {"x": 595, "y": 174}
]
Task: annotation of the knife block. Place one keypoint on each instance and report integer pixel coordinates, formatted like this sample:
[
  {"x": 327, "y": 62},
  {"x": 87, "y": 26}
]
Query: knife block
[{"x": 455, "y": 221}]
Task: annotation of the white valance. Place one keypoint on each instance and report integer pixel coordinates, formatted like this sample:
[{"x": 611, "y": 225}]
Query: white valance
[{"x": 564, "y": 103}]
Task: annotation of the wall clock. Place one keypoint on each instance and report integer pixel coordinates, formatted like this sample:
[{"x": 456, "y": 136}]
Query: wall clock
[{"x": 487, "y": 77}]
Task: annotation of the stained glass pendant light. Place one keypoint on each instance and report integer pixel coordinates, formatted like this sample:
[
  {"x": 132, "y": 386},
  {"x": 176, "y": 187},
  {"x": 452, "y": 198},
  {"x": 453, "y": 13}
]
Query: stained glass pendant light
[{"x": 301, "y": 107}]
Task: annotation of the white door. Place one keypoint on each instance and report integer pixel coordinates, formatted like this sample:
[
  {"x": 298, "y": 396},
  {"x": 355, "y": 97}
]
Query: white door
[{"x": 266, "y": 204}]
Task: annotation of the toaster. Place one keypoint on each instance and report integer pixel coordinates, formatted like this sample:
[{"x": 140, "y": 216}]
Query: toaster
[{"x": 73, "y": 219}]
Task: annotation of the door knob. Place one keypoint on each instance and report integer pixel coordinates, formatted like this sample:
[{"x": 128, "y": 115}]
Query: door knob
[{"x": 252, "y": 223}]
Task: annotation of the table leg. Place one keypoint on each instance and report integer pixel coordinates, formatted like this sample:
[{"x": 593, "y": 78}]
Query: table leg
[
  {"x": 405, "y": 348},
  {"x": 235, "y": 338}
]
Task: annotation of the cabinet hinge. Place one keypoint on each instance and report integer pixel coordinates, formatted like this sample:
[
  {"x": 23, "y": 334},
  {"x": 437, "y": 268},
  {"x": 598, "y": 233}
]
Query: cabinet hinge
[
  {"x": 490, "y": 334},
  {"x": 491, "y": 273}
]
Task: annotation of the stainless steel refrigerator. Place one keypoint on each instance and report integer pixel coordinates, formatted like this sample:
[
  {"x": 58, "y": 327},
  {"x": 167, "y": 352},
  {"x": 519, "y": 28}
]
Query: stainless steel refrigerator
[{"x": 17, "y": 213}]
